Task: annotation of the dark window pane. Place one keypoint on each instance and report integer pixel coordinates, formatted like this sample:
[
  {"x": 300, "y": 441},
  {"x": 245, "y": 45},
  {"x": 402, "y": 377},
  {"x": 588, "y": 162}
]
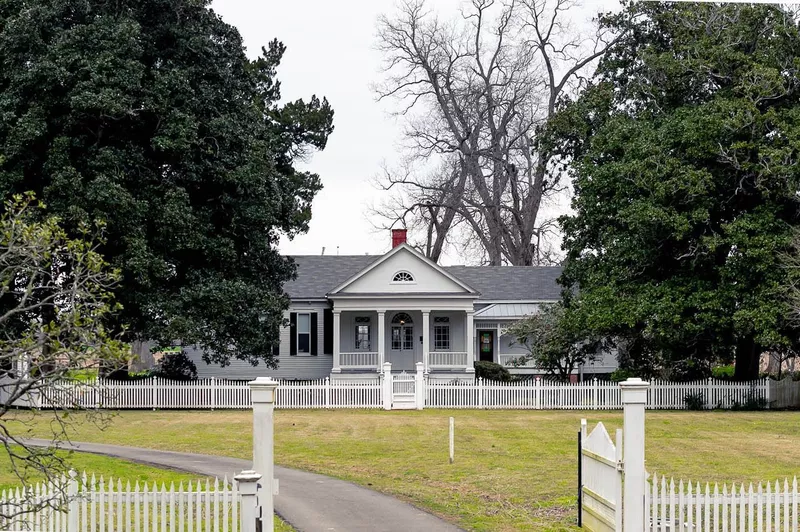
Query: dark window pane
[
  {"x": 408, "y": 338},
  {"x": 441, "y": 337},
  {"x": 362, "y": 337},
  {"x": 303, "y": 343},
  {"x": 395, "y": 338}
]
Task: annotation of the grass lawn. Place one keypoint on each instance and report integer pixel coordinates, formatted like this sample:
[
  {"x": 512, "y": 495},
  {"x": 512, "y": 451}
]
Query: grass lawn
[
  {"x": 113, "y": 467},
  {"x": 514, "y": 470},
  {"x": 101, "y": 465}
]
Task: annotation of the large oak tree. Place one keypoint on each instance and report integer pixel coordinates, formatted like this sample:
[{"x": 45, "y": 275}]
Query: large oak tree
[
  {"x": 147, "y": 114},
  {"x": 474, "y": 93},
  {"x": 686, "y": 178}
]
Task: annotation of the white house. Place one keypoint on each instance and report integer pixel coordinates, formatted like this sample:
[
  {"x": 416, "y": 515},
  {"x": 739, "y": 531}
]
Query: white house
[{"x": 350, "y": 314}]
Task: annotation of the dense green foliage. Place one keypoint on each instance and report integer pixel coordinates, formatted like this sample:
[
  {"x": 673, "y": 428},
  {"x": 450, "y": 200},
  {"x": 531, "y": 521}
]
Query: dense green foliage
[
  {"x": 491, "y": 371},
  {"x": 685, "y": 165},
  {"x": 177, "y": 367},
  {"x": 556, "y": 340},
  {"x": 149, "y": 116}
]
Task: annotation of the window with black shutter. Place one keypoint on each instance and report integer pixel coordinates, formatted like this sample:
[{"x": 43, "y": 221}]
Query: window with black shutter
[
  {"x": 314, "y": 332},
  {"x": 293, "y": 333},
  {"x": 327, "y": 331}
]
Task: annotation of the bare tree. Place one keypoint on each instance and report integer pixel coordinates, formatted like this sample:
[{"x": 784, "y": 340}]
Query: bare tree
[
  {"x": 475, "y": 94},
  {"x": 54, "y": 297}
]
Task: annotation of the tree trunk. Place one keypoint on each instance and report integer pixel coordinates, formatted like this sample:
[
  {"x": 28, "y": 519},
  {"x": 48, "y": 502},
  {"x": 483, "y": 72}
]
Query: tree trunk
[{"x": 747, "y": 358}]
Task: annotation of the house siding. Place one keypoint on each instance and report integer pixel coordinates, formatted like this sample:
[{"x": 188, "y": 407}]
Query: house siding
[{"x": 289, "y": 367}]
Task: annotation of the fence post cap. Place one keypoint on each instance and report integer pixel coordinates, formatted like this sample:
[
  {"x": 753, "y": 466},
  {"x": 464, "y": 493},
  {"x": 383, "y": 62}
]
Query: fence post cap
[
  {"x": 248, "y": 482},
  {"x": 262, "y": 389},
  {"x": 633, "y": 383},
  {"x": 634, "y": 391}
]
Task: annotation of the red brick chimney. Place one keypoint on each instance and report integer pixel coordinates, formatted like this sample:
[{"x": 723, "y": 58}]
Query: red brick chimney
[{"x": 398, "y": 237}]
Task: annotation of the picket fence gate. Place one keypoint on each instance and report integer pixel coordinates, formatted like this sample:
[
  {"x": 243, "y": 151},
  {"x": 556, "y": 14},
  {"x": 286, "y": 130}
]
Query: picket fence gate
[
  {"x": 90, "y": 505},
  {"x": 601, "y": 488},
  {"x": 411, "y": 390},
  {"x": 692, "y": 506},
  {"x": 617, "y": 494}
]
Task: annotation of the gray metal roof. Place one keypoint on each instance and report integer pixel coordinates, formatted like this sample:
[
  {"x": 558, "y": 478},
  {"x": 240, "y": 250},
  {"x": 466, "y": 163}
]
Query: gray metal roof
[
  {"x": 319, "y": 274},
  {"x": 508, "y": 310}
]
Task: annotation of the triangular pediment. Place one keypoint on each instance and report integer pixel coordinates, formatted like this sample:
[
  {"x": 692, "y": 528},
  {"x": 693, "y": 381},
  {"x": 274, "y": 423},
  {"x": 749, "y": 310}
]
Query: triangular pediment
[{"x": 403, "y": 271}]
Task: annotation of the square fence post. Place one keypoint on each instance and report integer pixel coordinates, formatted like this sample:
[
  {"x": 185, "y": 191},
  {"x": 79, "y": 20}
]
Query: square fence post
[
  {"x": 709, "y": 393},
  {"x": 634, "y": 399},
  {"x": 247, "y": 486},
  {"x": 387, "y": 386},
  {"x": 480, "y": 392},
  {"x": 419, "y": 385},
  {"x": 155, "y": 392},
  {"x": 213, "y": 393},
  {"x": 327, "y": 392},
  {"x": 766, "y": 382},
  {"x": 262, "y": 392},
  {"x": 595, "y": 404},
  {"x": 537, "y": 393}
]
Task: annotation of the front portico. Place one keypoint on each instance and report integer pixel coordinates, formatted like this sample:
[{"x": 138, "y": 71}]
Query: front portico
[
  {"x": 403, "y": 309},
  {"x": 441, "y": 337}
]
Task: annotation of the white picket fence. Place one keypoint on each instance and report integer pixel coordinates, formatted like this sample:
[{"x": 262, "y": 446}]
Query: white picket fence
[
  {"x": 73, "y": 505},
  {"x": 617, "y": 495},
  {"x": 538, "y": 394},
  {"x": 592, "y": 395},
  {"x": 209, "y": 394},
  {"x": 692, "y": 506}
]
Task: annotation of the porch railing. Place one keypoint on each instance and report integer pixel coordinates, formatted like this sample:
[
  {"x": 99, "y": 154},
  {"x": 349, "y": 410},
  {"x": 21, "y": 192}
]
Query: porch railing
[
  {"x": 508, "y": 361},
  {"x": 448, "y": 359},
  {"x": 359, "y": 359}
]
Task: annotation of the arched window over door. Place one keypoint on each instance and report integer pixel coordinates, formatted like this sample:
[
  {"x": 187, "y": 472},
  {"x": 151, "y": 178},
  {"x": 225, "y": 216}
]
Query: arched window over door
[
  {"x": 401, "y": 318},
  {"x": 402, "y": 332}
]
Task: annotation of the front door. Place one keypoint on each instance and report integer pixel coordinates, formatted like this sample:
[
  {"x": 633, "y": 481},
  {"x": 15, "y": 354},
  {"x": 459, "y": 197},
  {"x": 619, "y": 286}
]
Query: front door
[
  {"x": 486, "y": 345},
  {"x": 401, "y": 342}
]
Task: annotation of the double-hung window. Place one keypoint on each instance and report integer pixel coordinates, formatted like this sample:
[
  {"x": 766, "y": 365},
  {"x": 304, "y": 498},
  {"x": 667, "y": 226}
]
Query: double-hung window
[
  {"x": 362, "y": 334},
  {"x": 441, "y": 333},
  {"x": 303, "y": 333}
]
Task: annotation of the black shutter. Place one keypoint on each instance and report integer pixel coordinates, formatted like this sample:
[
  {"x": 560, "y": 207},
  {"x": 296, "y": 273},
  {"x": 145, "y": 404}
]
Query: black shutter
[
  {"x": 314, "y": 333},
  {"x": 293, "y": 333},
  {"x": 327, "y": 331},
  {"x": 276, "y": 350}
]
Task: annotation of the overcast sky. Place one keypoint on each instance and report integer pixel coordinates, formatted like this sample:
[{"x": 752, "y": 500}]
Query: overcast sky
[{"x": 330, "y": 52}]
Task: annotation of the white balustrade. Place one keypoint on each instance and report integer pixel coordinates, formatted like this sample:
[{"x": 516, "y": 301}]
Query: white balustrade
[
  {"x": 448, "y": 359},
  {"x": 359, "y": 359}
]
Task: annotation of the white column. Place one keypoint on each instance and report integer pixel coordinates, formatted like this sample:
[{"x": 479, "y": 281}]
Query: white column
[
  {"x": 470, "y": 339},
  {"x": 634, "y": 399},
  {"x": 262, "y": 393},
  {"x": 381, "y": 339},
  {"x": 426, "y": 338},
  {"x": 336, "y": 333},
  {"x": 497, "y": 344},
  {"x": 247, "y": 486}
]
